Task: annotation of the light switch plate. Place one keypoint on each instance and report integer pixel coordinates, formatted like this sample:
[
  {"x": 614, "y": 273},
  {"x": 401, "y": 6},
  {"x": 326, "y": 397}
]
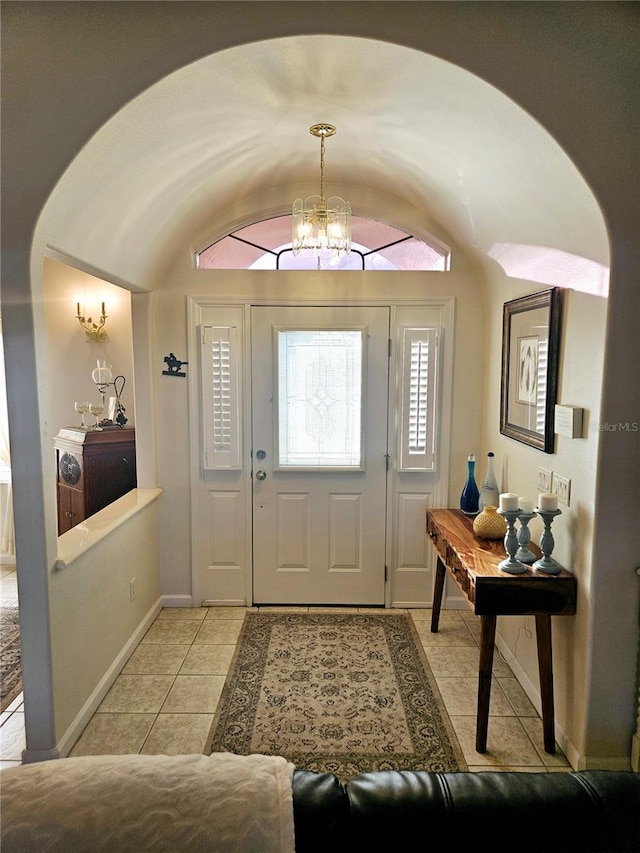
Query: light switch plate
[
  {"x": 561, "y": 488},
  {"x": 543, "y": 483}
]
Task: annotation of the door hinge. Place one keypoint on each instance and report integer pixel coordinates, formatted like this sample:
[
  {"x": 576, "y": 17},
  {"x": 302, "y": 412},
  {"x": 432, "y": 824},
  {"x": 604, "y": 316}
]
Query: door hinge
[
  {"x": 389, "y": 348},
  {"x": 387, "y": 460},
  {"x": 386, "y": 571}
]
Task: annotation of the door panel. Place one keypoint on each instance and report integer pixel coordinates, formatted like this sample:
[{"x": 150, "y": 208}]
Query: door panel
[
  {"x": 294, "y": 522},
  {"x": 319, "y": 533},
  {"x": 345, "y": 531}
]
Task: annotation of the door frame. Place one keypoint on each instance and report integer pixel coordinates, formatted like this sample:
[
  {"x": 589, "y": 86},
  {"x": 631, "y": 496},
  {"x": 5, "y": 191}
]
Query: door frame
[{"x": 198, "y": 306}]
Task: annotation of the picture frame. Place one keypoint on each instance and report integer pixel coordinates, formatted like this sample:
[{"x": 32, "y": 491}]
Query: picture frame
[{"x": 530, "y": 357}]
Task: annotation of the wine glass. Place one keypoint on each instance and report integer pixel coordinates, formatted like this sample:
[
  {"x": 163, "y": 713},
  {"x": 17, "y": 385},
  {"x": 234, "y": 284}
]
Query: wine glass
[
  {"x": 96, "y": 409},
  {"x": 82, "y": 409}
]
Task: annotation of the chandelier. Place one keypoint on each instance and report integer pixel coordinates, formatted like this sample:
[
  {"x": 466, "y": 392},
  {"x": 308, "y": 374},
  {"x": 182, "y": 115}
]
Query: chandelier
[{"x": 321, "y": 226}]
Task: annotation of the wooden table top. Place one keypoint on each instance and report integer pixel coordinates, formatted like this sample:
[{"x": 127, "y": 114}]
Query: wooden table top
[{"x": 473, "y": 562}]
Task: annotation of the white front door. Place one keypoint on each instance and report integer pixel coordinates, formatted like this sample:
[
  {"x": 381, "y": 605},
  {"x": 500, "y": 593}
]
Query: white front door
[{"x": 319, "y": 388}]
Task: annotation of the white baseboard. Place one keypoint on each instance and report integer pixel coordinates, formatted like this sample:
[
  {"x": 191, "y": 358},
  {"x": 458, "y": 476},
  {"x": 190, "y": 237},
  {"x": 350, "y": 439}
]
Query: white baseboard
[
  {"x": 455, "y": 602},
  {"x": 89, "y": 708},
  {"x": 177, "y": 601}
]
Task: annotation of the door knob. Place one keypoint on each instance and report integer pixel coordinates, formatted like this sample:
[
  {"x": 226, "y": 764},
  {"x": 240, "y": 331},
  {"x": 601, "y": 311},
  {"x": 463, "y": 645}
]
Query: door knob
[{"x": 261, "y": 475}]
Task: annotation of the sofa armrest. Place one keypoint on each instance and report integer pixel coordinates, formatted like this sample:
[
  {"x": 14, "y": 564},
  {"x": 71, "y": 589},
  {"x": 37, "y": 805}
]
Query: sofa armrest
[{"x": 498, "y": 812}]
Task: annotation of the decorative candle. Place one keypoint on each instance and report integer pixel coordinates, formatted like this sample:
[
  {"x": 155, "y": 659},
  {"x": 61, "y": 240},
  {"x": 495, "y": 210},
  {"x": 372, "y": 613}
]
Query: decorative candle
[
  {"x": 547, "y": 502},
  {"x": 509, "y": 502},
  {"x": 78, "y": 309},
  {"x": 526, "y": 505}
]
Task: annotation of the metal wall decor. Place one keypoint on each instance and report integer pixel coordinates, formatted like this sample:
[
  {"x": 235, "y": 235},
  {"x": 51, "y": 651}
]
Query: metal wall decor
[{"x": 173, "y": 366}]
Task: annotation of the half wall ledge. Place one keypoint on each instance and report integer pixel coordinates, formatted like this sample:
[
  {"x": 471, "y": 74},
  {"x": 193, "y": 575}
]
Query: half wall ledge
[{"x": 92, "y": 530}]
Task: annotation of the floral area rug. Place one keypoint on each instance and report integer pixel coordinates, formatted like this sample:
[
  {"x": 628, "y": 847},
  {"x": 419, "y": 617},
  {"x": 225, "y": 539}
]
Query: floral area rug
[
  {"x": 10, "y": 661},
  {"x": 339, "y": 693}
]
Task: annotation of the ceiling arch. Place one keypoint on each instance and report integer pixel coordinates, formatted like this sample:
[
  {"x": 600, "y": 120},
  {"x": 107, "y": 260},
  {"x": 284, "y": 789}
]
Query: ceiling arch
[{"x": 226, "y": 140}]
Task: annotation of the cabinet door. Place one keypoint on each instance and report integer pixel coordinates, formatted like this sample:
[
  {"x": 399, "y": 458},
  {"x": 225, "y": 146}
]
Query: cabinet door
[
  {"x": 109, "y": 475},
  {"x": 70, "y": 508}
]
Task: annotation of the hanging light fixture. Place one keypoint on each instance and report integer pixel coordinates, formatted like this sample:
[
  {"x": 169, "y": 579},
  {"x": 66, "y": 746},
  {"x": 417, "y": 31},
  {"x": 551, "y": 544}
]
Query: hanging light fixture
[{"x": 321, "y": 226}]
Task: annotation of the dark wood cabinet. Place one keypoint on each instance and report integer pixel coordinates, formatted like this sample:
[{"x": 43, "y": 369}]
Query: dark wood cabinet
[{"x": 94, "y": 468}]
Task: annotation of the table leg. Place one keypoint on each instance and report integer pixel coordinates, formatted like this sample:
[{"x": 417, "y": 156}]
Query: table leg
[
  {"x": 545, "y": 668},
  {"x": 438, "y": 589},
  {"x": 487, "y": 644}
]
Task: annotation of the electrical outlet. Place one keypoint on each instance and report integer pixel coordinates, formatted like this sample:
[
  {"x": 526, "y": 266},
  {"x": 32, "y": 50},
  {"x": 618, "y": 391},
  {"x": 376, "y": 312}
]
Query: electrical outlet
[
  {"x": 544, "y": 480},
  {"x": 132, "y": 589},
  {"x": 562, "y": 488}
]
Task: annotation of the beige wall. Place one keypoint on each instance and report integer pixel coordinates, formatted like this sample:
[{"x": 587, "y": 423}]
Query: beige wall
[
  {"x": 579, "y": 384},
  {"x": 94, "y": 624},
  {"x": 70, "y": 356}
]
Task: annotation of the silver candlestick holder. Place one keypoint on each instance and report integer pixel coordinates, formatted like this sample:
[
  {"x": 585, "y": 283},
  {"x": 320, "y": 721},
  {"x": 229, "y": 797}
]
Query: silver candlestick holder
[
  {"x": 511, "y": 565},
  {"x": 546, "y": 563},
  {"x": 524, "y": 554}
]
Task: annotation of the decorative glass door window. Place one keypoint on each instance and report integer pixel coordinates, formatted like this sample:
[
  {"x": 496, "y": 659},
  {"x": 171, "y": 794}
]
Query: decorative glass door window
[{"x": 320, "y": 398}]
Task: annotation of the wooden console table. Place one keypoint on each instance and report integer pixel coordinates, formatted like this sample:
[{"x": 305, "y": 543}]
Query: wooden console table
[{"x": 473, "y": 563}]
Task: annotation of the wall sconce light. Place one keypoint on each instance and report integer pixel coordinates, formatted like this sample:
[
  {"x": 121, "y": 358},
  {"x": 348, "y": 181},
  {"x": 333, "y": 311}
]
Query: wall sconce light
[{"x": 95, "y": 332}]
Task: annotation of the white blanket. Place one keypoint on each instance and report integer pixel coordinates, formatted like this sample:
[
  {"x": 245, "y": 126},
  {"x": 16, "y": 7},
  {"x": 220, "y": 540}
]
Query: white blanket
[{"x": 136, "y": 803}]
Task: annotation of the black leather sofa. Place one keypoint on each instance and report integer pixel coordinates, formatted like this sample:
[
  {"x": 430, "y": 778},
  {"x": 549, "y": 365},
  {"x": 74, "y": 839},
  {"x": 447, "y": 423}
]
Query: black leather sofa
[{"x": 596, "y": 811}]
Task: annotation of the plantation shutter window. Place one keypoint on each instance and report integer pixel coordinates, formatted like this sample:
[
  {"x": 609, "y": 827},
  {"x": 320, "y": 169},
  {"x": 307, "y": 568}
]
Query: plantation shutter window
[
  {"x": 418, "y": 427},
  {"x": 221, "y": 426}
]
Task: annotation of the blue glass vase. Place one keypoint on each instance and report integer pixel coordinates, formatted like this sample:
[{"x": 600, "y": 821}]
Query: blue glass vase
[{"x": 470, "y": 495}]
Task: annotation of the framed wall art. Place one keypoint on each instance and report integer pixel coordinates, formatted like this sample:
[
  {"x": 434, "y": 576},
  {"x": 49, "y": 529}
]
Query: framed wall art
[{"x": 530, "y": 352}]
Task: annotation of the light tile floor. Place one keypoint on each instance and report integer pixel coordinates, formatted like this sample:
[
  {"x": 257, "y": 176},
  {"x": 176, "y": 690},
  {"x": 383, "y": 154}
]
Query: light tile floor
[{"x": 165, "y": 699}]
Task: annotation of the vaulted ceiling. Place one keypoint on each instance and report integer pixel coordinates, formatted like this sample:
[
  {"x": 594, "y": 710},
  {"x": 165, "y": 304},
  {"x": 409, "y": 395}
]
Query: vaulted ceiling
[{"x": 420, "y": 143}]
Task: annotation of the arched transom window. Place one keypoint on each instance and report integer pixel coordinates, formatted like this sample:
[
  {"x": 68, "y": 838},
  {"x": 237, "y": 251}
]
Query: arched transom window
[{"x": 266, "y": 245}]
